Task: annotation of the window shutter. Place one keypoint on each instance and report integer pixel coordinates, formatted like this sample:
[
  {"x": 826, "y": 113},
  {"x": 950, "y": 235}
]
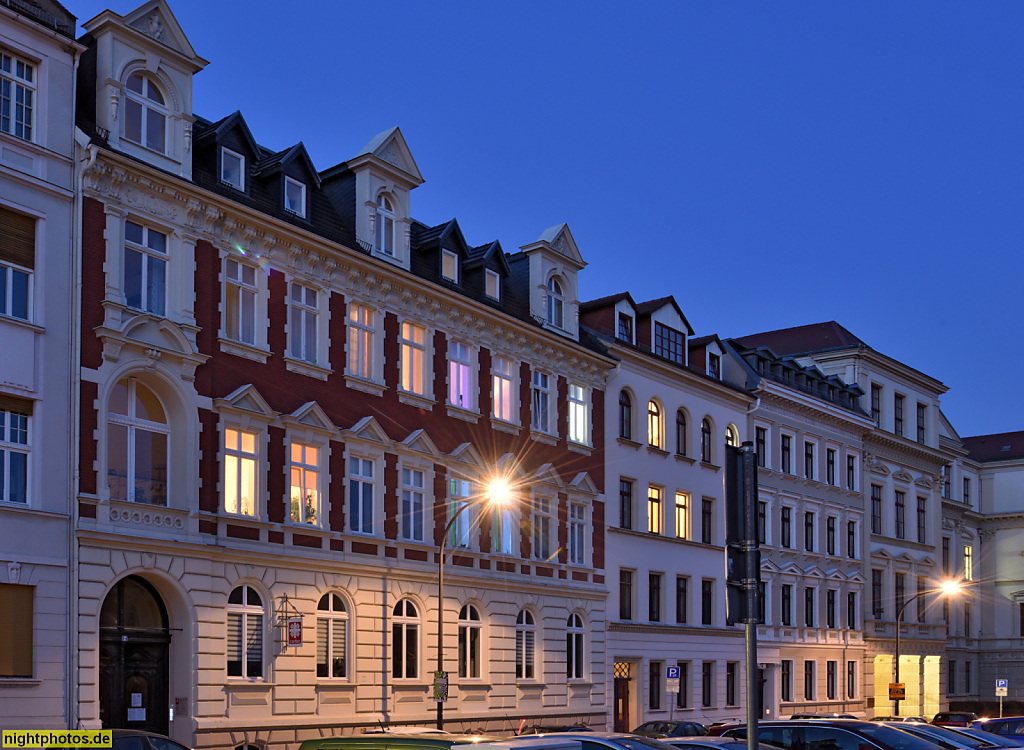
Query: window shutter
[
  {"x": 322, "y": 627},
  {"x": 338, "y": 648},
  {"x": 234, "y": 644},
  {"x": 15, "y": 404},
  {"x": 16, "y": 630},
  {"x": 17, "y": 238},
  {"x": 529, "y": 655},
  {"x": 254, "y": 645}
]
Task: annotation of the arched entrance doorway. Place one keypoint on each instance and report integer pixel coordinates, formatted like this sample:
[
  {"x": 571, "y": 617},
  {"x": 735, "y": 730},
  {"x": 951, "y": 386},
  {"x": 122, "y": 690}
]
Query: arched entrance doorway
[{"x": 134, "y": 643}]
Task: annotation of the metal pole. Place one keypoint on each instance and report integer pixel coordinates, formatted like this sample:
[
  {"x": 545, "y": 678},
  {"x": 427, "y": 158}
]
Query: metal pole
[
  {"x": 899, "y": 617},
  {"x": 750, "y": 574}
]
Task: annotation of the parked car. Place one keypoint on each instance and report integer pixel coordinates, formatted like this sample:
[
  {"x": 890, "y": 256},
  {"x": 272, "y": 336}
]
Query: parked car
[
  {"x": 710, "y": 743},
  {"x": 1011, "y": 727},
  {"x": 823, "y": 716},
  {"x": 917, "y": 719},
  {"x": 612, "y": 741},
  {"x": 943, "y": 737},
  {"x": 662, "y": 729},
  {"x": 133, "y": 739},
  {"x": 553, "y": 728},
  {"x": 954, "y": 718},
  {"x": 995, "y": 739},
  {"x": 841, "y": 734}
]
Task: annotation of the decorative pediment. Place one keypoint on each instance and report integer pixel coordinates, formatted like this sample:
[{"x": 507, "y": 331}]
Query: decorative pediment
[
  {"x": 546, "y": 474},
  {"x": 857, "y": 577},
  {"x": 902, "y": 475},
  {"x": 312, "y": 416},
  {"x": 924, "y": 481},
  {"x": 560, "y": 239},
  {"x": 469, "y": 455},
  {"x": 792, "y": 569},
  {"x": 247, "y": 400},
  {"x": 904, "y": 557},
  {"x": 369, "y": 429},
  {"x": 152, "y": 331},
  {"x": 509, "y": 466},
  {"x": 419, "y": 441},
  {"x": 768, "y": 566},
  {"x": 882, "y": 552},
  {"x": 927, "y": 560},
  {"x": 814, "y": 572},
  {"x": 835, "y": 574},
  {"x": 583, "y": 483},
  {"x": 390, "y": 147},
  {"x": 155, "y": 20},
  {"x": 877, "y": 467}
]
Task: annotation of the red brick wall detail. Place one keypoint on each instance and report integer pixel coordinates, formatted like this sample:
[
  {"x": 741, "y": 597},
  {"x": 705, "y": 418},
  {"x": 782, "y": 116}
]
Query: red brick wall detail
[
  {"x": 305, "y": 540},
  {"x": 391, "y": 490},
  {"x": 597, "y": 516},
  {"x": 86, "y": 510},
  {"x": 339, "y": 488},
  {"x": 87, "y": 452},
  {"x": 563, "y": 528},
  {"x": 94, "y": 282},
  {"x": 278, "y": 499},
  {"x": 209, "y": 464},
  {"x": 243, "y": 532},
  {"x": 440, "y": 508}
]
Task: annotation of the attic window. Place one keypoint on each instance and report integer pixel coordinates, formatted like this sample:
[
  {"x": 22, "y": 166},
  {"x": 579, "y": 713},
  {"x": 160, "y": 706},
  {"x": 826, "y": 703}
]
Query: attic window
[
  {"x": 450, "y": 266},
  {"x": 384, "y": 227},
  {"x": 294, "y": 196},
  {"x": 625, "y": 327},
  {"x": 492, "y": 284},
  {"x": 555, "y": 303},
  {"x": 714, "y": 366},
  {"x": 668, "y": 343},
  {"x": 145, "y": 113},
  {"x": 232, "y": 169}
]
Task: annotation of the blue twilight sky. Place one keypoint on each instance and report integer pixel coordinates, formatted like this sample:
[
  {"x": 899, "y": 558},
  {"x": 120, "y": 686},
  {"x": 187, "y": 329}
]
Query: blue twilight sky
[{"x": 769, "y": 164}]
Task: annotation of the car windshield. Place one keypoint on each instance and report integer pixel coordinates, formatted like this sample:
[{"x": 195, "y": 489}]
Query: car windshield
[
  {"x": 992, "y": 739},
  {"x": 952, "y": 736},
  {"x": 641, "y": 743},
  {"x": 895, "y": 738}
]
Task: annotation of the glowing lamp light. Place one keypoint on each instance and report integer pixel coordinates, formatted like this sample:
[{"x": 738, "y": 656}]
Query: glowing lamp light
[
  {"x": 499, "y": 492},
  {"x": 950, "y": 588}
]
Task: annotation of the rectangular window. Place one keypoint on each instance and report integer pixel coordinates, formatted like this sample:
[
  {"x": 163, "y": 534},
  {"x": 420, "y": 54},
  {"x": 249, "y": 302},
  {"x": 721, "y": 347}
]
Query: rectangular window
[
  {"x": 851, "y": 540},
  {"x": 876, "y": 404},
  {"x": 786, "y": 680},
  {"x": 951, "y": 677},
  {"x": 922, "y": 412},
  {"x": 707, "y": 593},
  {"x": 876, "y": 509},
  {"x": 449, "y": 266},
  {"x": 654, "y": 685},
  {"x": 809, "y": 596},
  {"x": 707, "y": 684},
  {"x": 541, "y": 528},
  {"x": 707, "y": 521},
  {"x": 654, "y": 509},
  {"x": 577, "y": 534},
  {"x": 668, "y": 343},
  {"x": 831, "y": 680},
  {"x": 654, "y": 597},
  {"x": 302, "y": 331},
  {"x": 922, "y": 519},
  {"x": 851, "y": 680},
  {"x": 830, "y": 535},
  {"x": 947, "y": 481},
  {"x": 945, "y": 555},
  {"x": 541, "y": 395},
  {"x": 145, "y": 268},
  {"x": 787, "y": 605},
  {"x": 17, "y": 262},
  {"x": 16, "y": 624},
  {"x": 897, "y": 425},
  {"x": 241, "y": 458},
  {"x": 294, "y": 197},
  {"x": 14, "y": 450},
  {"x": 240, "y": 301},
  {"x": 731, "y": 675},
  {"x": 492, "y": 284},
  {"x": 876, "y": 594},
  {"x": 682, "y": 515},
  {"x": 503, "y": 396},
  {"x": 625, "y": 330},
  {"x": 787, "y": 454},
  {"x": 809, "y": 680},
  {"x": 504, "y": 525},
  {"x": 901, "y": 515},
  {"x": 232, "y": 169},
  {"x": 579, "y": 415},
  {"x": 459, "y": 493},
  {"x": 682, "y": 598},
  {"x": 625, "y": 504},
  {"x": 683, "y": 696},
  {"x": 851, "y": 610},
  {"x": 786, "y": 531},
  {"x": 360, "y": 495},
  {"x": 625, "y": 594},
  {"x": 460, "y": 376},
  {"x": 762, "y": 602},
  {"x": 967, "y": 677},
  {"x": 305, "y": 481},
  {"x": 830, "y": 608},
  {"x": 809, "y": 531},
  {"x": 361, "y": 341},
  {"x": 851, "y": 472},
  {"x": 413, "y": 357},
  {"x": 922, "y": 603},
  {"x": 967, "y": 490},
  {"x": 809, "y": 460},
  {"x": 17, "y": 93},
  {"x": 761, "y": 445},
  {"x": 411, "y": 521},
  {"x": 900, "y": 592},
  {"x": 762, "y": 522},
  {"x": 830, "y": 466},
  {"x": 968, "y": 563}
]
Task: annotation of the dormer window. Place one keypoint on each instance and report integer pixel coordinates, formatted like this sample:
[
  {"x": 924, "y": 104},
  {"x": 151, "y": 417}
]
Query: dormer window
[
  {"x": 232, "y": 169},
  {"x": 492, "y": 284},
  {"x": 668, "y": 343},
  {"x": 556, "y": 304},
  {"x": 384, "y": 228},
  {"x": 145, "y": 114},
  {"x": 625, "y": 332},
  {"x": 450, "y": 266},
  {"x": 714, "y": 366},
  {"x": 294, "y": 196}
]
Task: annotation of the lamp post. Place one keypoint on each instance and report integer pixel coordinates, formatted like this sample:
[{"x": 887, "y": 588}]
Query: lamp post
[
  {"x": 497, "y": 493},
  {"x": 947, "y": 588}
]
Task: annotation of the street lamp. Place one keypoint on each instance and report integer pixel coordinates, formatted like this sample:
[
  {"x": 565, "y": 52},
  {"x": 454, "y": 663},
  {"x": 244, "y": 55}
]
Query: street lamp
[
  {"x": 946, "y": 588},
  {"x": 497, "y": 492}
]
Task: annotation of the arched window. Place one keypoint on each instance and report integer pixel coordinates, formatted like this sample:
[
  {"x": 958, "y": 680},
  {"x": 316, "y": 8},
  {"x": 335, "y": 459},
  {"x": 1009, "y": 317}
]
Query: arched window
[
  {"x": 680, "y": 433},
  {"x": 245, "y": 633},
  {"x": 469, "y": 642},
  {"x": 654, "y": 425},
  {"x": 575, "y": 655},
  {"x": 384, "y": 226},
  {"x": 625, "y": 416},
  {"x": 732, "y": 436},
  {"x": 137, "y": 437},
  {"x": 405, "y": 641},
  {"x": 705, "y": 440},
  {"x": 145, "y": 113},
  {"x": 556, "y": 304},
  {"x": 331, "y": 637},
  {"x": 526, "y": 632}
]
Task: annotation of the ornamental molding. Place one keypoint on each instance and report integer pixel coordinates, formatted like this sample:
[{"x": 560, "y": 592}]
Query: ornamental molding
[
  {"x": 153, "y": 518},
  {"x": 812, "y": 414}
]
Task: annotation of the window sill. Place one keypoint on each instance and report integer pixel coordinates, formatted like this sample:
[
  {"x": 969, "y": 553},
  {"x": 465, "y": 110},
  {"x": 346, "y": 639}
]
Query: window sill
[
  {"x": 247, "y": 684},
  {"x": 310, "y": 369},
  {"x": 628, "y": 443},
  {"x": 357, "y": 383},
  {"x": 710, "y": 466},
  {"x": 685, "y": 459},
  {"x": 502, "y": 426},
  {"x": 20, "y": 682},
  {"x": 247, "y": 351},
  {"x": 543, "y": 437},
  {"x": 415, "y": 399},
  {"x": 22, "y": 323},
  {"x": 656, "y": 451},
  {"x": 585, "y": 450},
  {"x": 466, "y": 415}
]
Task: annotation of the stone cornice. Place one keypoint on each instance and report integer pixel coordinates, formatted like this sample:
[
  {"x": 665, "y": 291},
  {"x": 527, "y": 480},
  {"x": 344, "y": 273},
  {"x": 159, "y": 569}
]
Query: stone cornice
[
  {"x": 904, "y": 452},
  {"x": 786, "y": 401}
]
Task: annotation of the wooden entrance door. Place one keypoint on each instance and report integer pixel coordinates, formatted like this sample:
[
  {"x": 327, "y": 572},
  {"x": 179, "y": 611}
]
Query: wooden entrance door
[{"x": 622, "y": 720}]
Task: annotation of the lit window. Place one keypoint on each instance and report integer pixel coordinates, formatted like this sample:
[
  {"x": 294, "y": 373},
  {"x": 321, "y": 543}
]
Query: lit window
[
  {"x": 405, "y": 637},
  {"x": 654, "y": 496},
  {"x": 14, "y": 451},
  {"x": 450, "y": 266},
  {"x": 682, "y": 515},
  {"x": 145, "y": 114},
  {"x": 240, "y": 301},
  {"x": 360, "y": 495},
  {"x": 469, "y": 642},
  {"x": 541, "y": 395},
  {"x": 575, "y": 655},
  {"x": 492, "y": 284},
  {"x": 17, "y": 94},
  {"x": 732, "y": 436},
  {"x": 556, "y": 303},
  {"x": 579, "y": 422},
  {"x": 460, "y": 374},
  {"x": 503, "y": 397},
  {"x": 577, "y": 534},
  {"x": 240, "y": 461},
  {"x": 305, "y": 472},
  {"x": 384, "y": 226},
  {"x": 294, "y": 196},
  {"x": 654, "y": 425},
  {"x": 17, "y": 261},
  {"x": 302, "y": 330},
  {"x": 414, "y": 359},
  {"x": 412, "y": 505},
  {"x": 968, "y": 563},
  {"x": 137, "y": 438},
  {"x": 331, "y": 637},
  {"x": 232, "y": 169},
  {"x": 526, "y": 631},
  {"x": 360, "y": 341},
  {"x": 145, "y": 268},
  {"x": 245, "y": 633}
]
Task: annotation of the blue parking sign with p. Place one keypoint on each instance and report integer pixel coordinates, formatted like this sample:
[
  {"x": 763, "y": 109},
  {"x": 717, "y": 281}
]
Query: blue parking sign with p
[
  {"x": 672, "y": 673},
  {"x": 999, "y": 683}
]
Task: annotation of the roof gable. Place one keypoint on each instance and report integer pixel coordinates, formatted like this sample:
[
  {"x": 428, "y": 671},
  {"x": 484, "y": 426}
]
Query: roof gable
[
  {"x": 390, "y": 147},
  {"x": 283, "y": 159},
  {"x": 650, "y": 307},
  {"x": 155, "y": 20},
  {"x": 560, "y": 239},
  {"x": 232, "y": 123}
]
